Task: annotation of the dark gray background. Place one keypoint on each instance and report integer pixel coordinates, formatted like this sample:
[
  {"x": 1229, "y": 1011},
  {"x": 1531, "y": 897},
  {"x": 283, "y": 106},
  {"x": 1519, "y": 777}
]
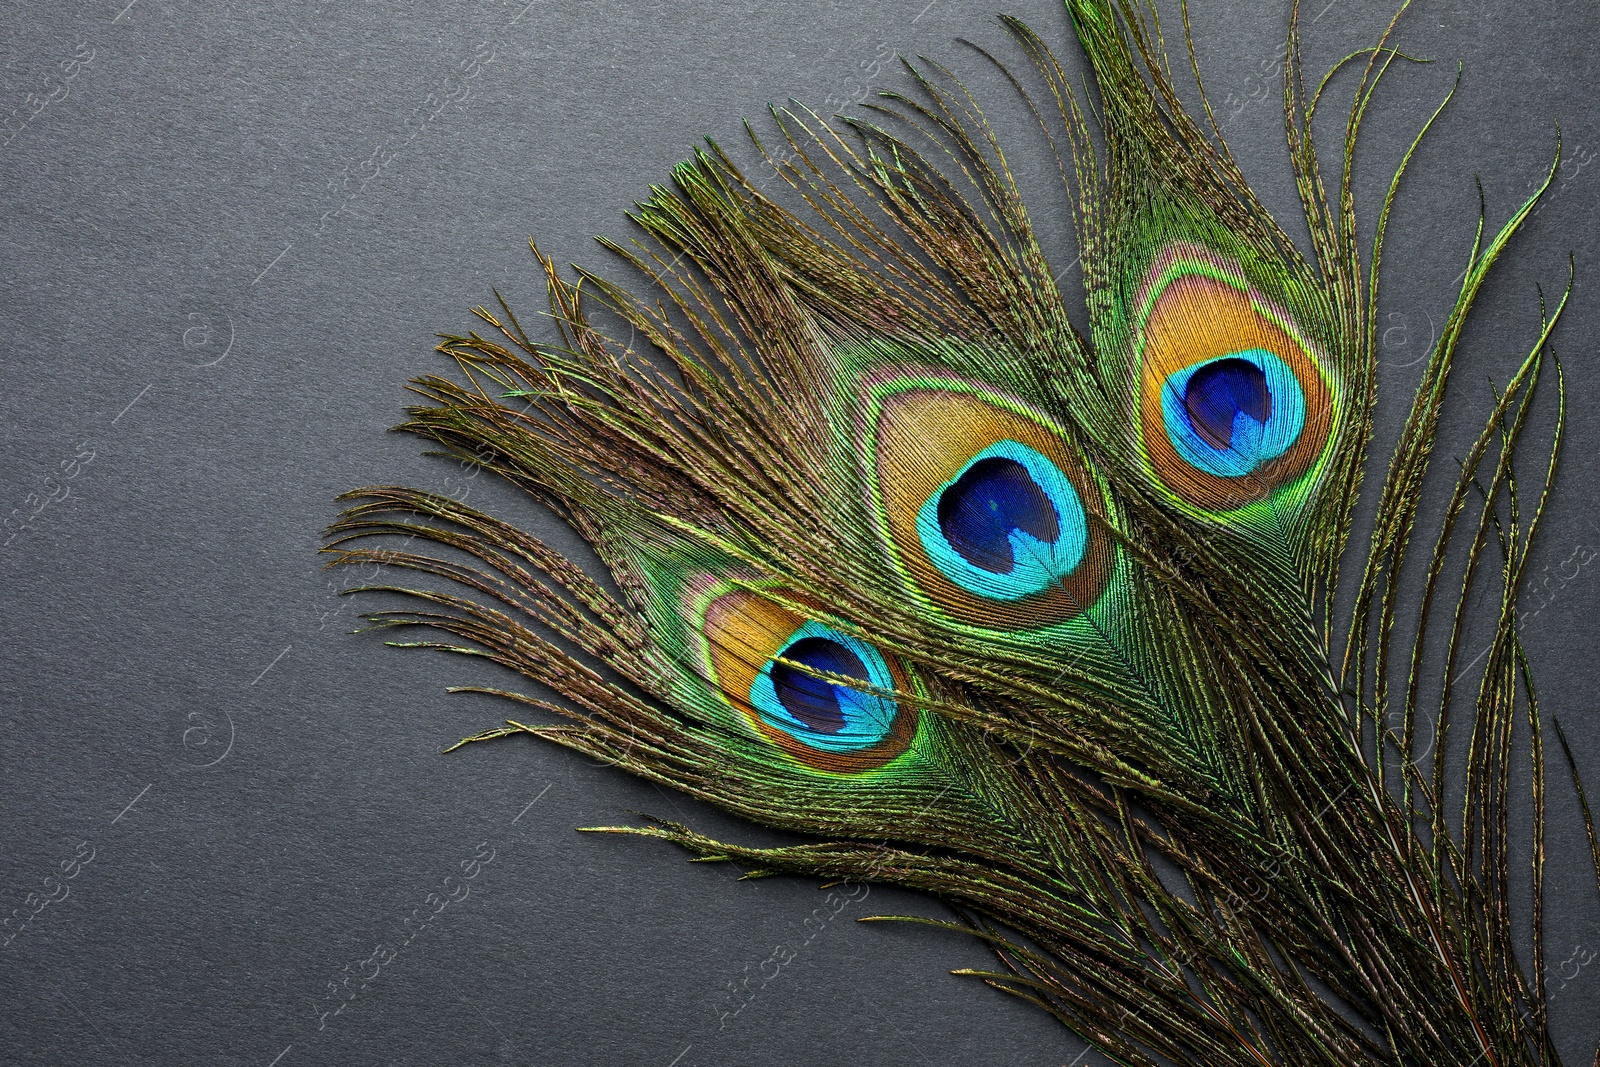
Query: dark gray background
[{"x": 211, "y": 284}]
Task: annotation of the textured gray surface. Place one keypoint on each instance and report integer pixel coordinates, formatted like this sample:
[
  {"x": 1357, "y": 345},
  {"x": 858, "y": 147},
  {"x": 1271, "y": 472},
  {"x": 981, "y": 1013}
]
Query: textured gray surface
[{"x": 228, "y": 237}]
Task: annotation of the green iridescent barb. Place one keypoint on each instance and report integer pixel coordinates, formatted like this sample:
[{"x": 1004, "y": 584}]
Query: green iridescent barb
[{"x": 1040, "y": 622}]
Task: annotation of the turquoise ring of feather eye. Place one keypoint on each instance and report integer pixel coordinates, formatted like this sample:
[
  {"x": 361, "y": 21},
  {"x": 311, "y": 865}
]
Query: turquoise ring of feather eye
[
  {"x": 1008, "y": 525},
  {"x": 831, "y": 716},
  {"x": 1229, "y": 415}
]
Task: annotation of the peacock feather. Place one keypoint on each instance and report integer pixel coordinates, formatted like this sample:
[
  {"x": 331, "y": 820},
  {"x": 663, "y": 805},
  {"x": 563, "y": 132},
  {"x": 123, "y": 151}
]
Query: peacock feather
[{"x": 1060, "y": 626}]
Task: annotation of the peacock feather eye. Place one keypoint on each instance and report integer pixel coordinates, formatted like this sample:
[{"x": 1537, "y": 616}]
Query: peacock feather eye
[
  {"x": 1234, "y": 404},
  {"x": 829, "y": 699},
  {"x": 1232, "y": 415},
  {"x": 1009, "y": 524},
  {"x": 984, "y": 506}
]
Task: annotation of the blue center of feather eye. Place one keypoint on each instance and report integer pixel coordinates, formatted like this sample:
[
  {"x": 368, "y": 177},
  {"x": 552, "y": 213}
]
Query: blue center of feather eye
[
  {"x": 981, "y": 508},
  {"x": 850, "y": 711},
  {"x": 1219, "y": 392},
  {"x": 1229, "y": 415},
  {"x": 1009, "y": 524},
  {"x": 813, "y": 700}
]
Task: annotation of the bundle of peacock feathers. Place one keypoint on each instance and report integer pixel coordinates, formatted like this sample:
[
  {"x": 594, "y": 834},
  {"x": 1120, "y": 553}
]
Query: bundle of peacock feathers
[{"x": 1049, "y": 625}]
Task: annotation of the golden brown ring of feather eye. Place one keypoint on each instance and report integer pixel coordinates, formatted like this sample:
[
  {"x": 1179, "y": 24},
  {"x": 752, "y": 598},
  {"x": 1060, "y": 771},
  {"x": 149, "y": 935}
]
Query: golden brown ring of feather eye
[{"x": 923, "y": 439}]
